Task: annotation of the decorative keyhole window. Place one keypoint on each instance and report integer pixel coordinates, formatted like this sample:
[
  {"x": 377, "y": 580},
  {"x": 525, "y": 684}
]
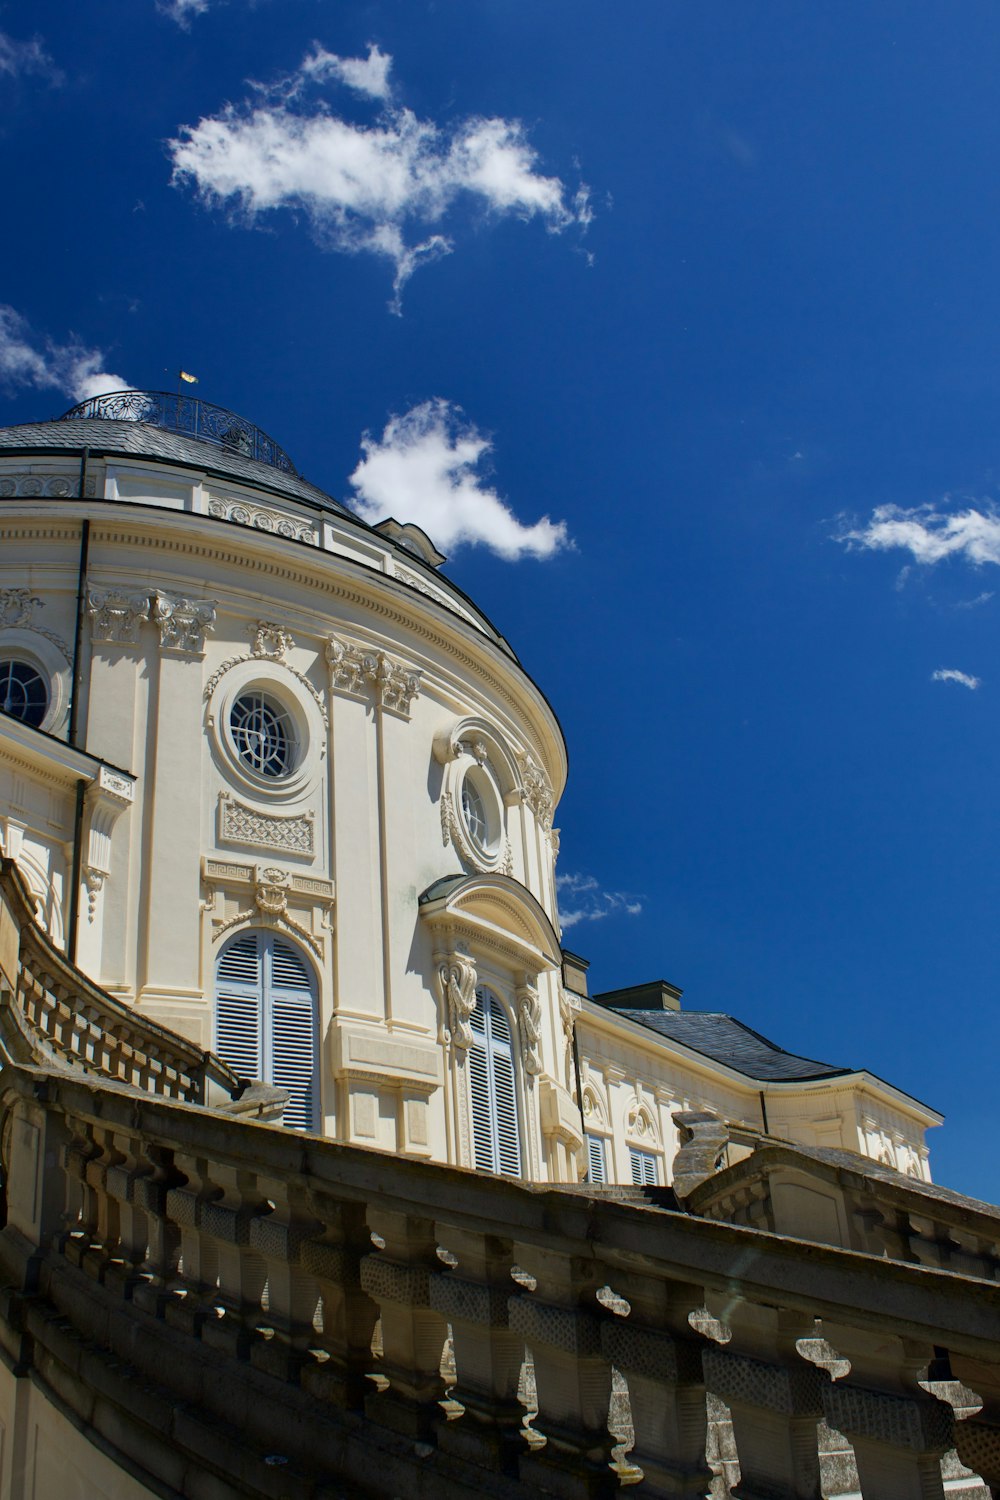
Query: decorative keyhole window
[
  {"x": 495, "y": 1131},
  {"x": 265, "y": 1019},
  {"x": 24, "y": 693},
  {"x": 263, "y": 733}
]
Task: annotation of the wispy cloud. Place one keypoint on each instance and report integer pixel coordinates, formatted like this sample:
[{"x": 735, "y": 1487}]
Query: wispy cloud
[
  {"x": 182, "y": 11},
  {"x": 581, "y": 899},
  {"x": 980, "y": 599},
  {"x": 27, "y": 360},
  {"x": 951, "y": 674},
  {"x": 365, "y": 75},
  {"x": 385, "y": 188},
  {"x": 930, "y": 535},
  {"x": 424, "y": 469},
  {"x": 30, "y": 56}
]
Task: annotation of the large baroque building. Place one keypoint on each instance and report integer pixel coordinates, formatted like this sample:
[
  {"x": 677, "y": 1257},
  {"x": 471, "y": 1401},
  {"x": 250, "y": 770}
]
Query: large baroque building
[{"x": 279, "y": 785}]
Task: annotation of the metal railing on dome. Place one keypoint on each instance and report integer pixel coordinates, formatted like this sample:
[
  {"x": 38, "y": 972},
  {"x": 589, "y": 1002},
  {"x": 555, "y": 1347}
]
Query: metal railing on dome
[{"x": 189, "y": 417}]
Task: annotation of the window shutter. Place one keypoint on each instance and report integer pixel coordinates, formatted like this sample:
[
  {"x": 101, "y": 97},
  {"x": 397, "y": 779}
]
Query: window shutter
[
  {"x": 508, "y": 1144},
  {"x": 293, "y": 1060},
  {"x": 237, "y": 1007},
  {"x": 482, "y": 1119},
  {"x": 643, "y": 1168},
  {"x": 492, "y": 1086},
  {"x": 595, "y": 1159},
  {"x": 265, "y": 1020}
]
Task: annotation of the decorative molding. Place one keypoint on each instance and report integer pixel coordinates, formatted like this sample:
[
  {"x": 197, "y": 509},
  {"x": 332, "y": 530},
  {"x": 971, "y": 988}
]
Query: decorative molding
[
  {"x": 265, "y": 632},
  {"x": 272, "y": 889},
  {"x": 270, "y": 640},
  {"x": 255, "y": 516},
  {"x": 364, "y": 672},
  {"x": 63, "y": 486},
  {"x": 536, "y": 790},
  {"x": 116, "y": 615},
  {"x": 270, "y": 906},
  {"x": 529, "y": 1012},
  {"x": 107, "y": 798},
  {"x": 239, "y": 824},
  {"x": 569, "y": 1008},
  {"x": 456, "y": 983},
  {"x": 453, "y": 832},
  {"x": 183, "y": 623},
  {"x": 17, "y": 608}
]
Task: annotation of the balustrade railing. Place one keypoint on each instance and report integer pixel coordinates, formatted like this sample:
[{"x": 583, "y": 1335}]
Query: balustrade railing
[
  {"x": 251, "y": 1298},
  {"x": 188, "y": 416},
  {"x": 50, "y": 1011}
]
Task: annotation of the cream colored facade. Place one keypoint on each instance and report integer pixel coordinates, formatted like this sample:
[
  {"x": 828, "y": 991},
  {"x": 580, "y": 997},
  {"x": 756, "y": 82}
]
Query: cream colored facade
[{"x": 160, "y": 581}]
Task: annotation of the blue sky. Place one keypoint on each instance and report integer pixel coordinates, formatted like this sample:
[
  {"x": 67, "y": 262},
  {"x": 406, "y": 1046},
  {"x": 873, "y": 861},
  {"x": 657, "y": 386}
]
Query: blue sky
[{"x": 676, "y": 326}]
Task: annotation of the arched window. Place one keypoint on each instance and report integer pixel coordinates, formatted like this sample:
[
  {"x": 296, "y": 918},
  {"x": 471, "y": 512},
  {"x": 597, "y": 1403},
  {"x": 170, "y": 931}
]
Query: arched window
[
  {"x": 265, "y": 1019},
  {"x": 495, "y": 1133}
]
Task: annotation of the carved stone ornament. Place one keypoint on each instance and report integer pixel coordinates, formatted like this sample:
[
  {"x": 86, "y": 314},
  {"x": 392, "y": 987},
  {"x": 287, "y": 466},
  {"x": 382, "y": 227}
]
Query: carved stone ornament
[
  {"x": 536, "y": 790},
  {"x": 17, "y": 608},
  {"x": 239, "y": 824},
  {"x": 116, "y": 616},
  {"x": 529, "y": 1011},
  {"x": 260, "y": 519},
  {"x": 453, "y": 831},
  {"x": 364, "y": 672},
  {"x": 270, "y": 640},
  {"x": 183, "y": 623},
  {"x": 60, "y": 485},
  {"x": 271, "y": 887},
  {"x": 107, "y": 798},
  {"x": 456, "y": 982}
]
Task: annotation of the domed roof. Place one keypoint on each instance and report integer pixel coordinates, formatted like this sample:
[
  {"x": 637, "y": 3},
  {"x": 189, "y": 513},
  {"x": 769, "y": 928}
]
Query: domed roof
[{"x": 177, "y": 430}]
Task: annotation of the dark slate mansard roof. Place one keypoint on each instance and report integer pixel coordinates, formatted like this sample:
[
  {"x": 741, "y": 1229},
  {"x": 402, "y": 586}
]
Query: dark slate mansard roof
[
  {"x": 728, "y": 1041},
  {"x": 143, "y": 440}
]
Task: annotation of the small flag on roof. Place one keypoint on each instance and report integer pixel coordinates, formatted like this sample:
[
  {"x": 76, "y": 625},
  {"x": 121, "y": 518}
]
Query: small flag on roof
[{"x": 183, "y": 375}]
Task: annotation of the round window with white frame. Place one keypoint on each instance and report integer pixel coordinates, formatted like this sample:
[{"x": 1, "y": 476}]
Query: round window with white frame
[
  {"x": 269, "y": 733},
  {"x": 34, "y": 679}
]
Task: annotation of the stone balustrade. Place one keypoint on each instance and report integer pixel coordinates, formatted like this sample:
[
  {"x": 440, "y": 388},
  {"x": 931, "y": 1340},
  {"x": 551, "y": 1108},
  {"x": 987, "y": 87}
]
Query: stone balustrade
[
  {"x": 226, "y": 1308},
  {"x": 211, "y": 1296},
  {"x": 51, "y": 1012}
]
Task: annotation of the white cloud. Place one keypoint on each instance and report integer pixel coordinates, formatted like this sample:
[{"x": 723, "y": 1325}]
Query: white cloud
[
  {"x": 983, "y": 598},
  {"x": 581, "y": 899},
  {"x": 26, "y": 57},
  {"x": 365, "y": 75},
  {"x": 383, "y": 189},
  {"x": 181, "y": 11},
  {"x": 423, "y": 469},
  {"x": 950, "y": 674},
  {"x": 931, "y": 535},
  {"x": 26, "y": 360}
]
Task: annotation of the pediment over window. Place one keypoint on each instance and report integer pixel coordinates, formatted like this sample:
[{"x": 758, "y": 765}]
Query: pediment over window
[{"x": 493, "y": 911}]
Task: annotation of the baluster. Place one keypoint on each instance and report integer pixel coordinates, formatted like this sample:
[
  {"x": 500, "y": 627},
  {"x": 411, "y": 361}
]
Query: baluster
[
  {"x": 292, "y": 1293},
  {"x": 661, "y": 1359},
  {"x": 105, "y": 1246},
  {"x": 898, "y": 1431},
  {"x": 774, "y": 1396},
  {"x": 349, "y": 1314},
  {"x": 81, "y": 1200},
  {"x": 195, "y": 1298},
  {"x": 232, "y": 1301},
  {"x": 413, "y": 1334},
  {"x": 977, "y": 1438},
  {"x": 572, "y": 1376},
  {"x": 474, "y": 1299},
  {"x": 158, "y": 1271}
]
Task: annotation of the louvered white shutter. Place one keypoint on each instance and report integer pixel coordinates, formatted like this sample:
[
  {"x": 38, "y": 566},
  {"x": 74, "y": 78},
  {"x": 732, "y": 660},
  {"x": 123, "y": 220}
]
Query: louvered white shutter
[
  {"x": 643, "y": 1168},
  {"x": 265, "y": 1020},
  {"x": 291, "y": 1033},
  {"x": 237, "y": 1006},
  {"x": 496, "y": 1137},
  {"x": 595, "y": 1159}
]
